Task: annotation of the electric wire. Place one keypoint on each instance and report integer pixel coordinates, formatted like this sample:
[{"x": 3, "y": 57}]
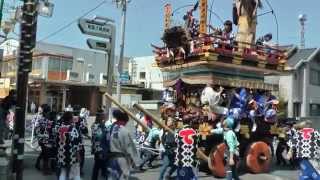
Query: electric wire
[
  {"x": 275, "y": 18},
  {"x": 72, "y": 22}
]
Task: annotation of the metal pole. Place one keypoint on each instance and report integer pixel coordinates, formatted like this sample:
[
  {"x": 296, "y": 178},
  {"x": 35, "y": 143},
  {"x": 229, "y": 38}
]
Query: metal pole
[
  {"x": 110, "y": 71},
  {"x": 120, "y": 63},
  {"x": 27, "y": 43},
  {"x": 1, "y": 9}
]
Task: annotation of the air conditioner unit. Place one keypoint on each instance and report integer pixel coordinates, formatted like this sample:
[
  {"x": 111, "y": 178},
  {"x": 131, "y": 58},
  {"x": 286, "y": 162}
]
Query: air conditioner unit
[
  {"x": 90, "y": 77},
  {"x": 72, "y": 76},
  {"x": 103, "y": 80}
]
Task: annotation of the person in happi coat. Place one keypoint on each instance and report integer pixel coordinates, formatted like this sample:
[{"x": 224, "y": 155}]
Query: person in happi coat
[
  {"x": 68, "y": 141},
  {"x": 148, "y": 155},
  {"x": 238, "y": 106},
  {"x": 169, "y": 144},
  {"x": 44, "y": 134},
  {"x": 305, "y": 146},
  {"x": 6, "y": 104},
  {"x": 123, "y": 153},
  {"x": 98, "y": 148},
  {"x": 186, "y": 159},
  {"x": 82, "y": 126},
  {"x": 256, "y": 109}
]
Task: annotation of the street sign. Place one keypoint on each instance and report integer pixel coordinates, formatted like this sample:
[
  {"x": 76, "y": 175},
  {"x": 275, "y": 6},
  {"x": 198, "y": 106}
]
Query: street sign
[
  {"x": 125, "y": 78},
  {"x": 95, "y": 28},
  {"x": 98, "y": 45}
]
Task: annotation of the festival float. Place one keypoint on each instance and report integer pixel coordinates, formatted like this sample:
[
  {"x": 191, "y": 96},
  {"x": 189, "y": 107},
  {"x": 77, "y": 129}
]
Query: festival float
[{"x": 210, "y": 75}]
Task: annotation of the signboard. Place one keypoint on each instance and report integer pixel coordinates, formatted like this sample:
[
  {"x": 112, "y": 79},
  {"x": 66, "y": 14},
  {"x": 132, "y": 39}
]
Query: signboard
[
  {"x": 167, "y": 15},
  {"x": 124, "y": 78},
  {"x": 203, "y": 16},
  {"x": 95, "y": 28},
  {"x": 98, "y": 45}
]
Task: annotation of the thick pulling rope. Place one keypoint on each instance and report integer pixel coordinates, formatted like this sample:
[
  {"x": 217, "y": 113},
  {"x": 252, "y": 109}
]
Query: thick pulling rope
[
  {"x": 133, "y": 117},
  {"x": 200, "y": 153}
]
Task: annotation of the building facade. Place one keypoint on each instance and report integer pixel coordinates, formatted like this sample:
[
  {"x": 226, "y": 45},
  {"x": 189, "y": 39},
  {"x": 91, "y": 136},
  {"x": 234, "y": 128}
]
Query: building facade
[
  {"x": 300, "y": 85},
  {"x": 143, "y": 72},
  {"x": 60, "y": 75}
]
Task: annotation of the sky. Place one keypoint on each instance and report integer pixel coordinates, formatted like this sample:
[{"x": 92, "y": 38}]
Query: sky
[{"x": 145, "y": 21}]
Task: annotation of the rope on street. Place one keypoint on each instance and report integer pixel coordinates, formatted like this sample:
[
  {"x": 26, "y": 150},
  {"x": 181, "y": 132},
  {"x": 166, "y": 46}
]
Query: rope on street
[{"x": 152, "y": 150}]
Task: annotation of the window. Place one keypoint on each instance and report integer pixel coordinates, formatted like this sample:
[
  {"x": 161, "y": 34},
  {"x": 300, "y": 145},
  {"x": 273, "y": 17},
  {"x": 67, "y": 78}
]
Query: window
[
  {"x": 296, "y": 109},
  {"x": 142, "y": 75},
  {"x": 66, "y": 65},
  {"x": 314, "y": 109},
  {"x": 36, "y": 64},
  {"x": 315, "y": 77},
  {"x": 54, "y": 64},
  {"x": 59, "y": 64}
]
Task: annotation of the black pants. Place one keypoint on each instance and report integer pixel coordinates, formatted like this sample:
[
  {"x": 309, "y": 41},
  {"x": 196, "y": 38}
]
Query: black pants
[
  {"x": 99, "y": 165},
  {"x": 45, "y": 155},
  {"x": 232, "y": 171},
  {"x": 82, "y": 153}
]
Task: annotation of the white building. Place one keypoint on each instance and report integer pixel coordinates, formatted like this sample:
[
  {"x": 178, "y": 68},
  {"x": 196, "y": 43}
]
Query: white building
[
  {"x": 300, "y": 86},
  {"x": 144, "y": 73}
]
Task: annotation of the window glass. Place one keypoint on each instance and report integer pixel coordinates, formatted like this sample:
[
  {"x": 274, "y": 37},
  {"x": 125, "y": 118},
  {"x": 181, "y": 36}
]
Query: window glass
[
  {"x": 315, "y": 77},
  {"x": 66, "y": 65},
  {"x": 54, "y": 64},
  {"x": 142, "y": 75},
  {"x": 36, "y": 63},
  {"x": 315, "y": 109}
]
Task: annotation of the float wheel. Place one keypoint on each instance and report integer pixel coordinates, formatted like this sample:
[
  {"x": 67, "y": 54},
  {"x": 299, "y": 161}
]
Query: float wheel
[
  {"x": 258, "y": 157},
  {"x": 217, "y": 160}
]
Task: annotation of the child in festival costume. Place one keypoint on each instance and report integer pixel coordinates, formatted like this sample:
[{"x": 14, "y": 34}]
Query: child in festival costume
[
  {"x": 232, "y": 152},
  {"x": 186, "y": 161},
  {"x": 305, "y": 146},
  {"x": 232, "y": 143}
]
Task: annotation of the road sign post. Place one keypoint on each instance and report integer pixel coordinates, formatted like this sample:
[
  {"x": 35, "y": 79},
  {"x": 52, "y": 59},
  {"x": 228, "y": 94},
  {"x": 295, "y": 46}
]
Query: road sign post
[
  {"x": 99, "y": 45},
  {"x": 95, "y": 28},
  {"x": 107, "y": 31}
]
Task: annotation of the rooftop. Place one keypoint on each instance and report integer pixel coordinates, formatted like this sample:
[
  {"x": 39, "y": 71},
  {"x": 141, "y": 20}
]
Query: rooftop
[{"x": 300, "y": 54}]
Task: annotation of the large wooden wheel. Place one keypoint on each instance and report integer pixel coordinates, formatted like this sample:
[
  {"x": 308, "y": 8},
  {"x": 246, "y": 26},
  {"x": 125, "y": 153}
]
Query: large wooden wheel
[
  {"x": 217, "y": 160},
  {"x": 258, "y": 157}
]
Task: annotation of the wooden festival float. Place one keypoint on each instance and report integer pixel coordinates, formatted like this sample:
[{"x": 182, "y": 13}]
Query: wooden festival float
[{"x": 190, "y": 61}]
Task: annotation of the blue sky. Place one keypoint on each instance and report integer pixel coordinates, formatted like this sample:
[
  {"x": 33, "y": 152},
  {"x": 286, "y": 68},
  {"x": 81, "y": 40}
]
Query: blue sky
[{"x": 145, "y": 21}]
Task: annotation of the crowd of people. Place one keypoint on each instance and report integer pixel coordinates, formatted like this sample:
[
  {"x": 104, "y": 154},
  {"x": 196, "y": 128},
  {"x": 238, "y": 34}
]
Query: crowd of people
[
  {"x": 117, "y": 152},
  {"x": 225, "y": 110}
]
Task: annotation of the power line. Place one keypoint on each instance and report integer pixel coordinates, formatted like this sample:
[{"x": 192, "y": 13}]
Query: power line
[{"x": 72, "y": 22}]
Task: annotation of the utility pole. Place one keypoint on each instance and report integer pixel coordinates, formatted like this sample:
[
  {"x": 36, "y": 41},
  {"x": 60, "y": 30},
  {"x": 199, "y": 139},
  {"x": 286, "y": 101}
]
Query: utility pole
[
  {"x": 123, "y": 4},
  {"x": 27, "y": 44},
  {"x": 1, "y": 11}
]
